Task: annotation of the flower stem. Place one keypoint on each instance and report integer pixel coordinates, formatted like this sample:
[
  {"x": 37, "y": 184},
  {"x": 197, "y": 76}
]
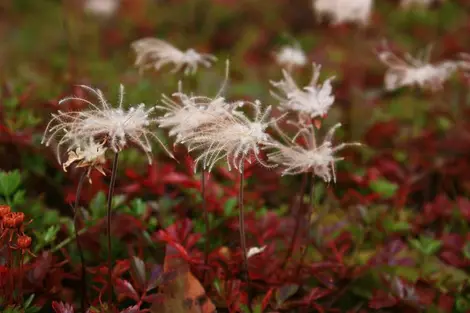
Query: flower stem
[
  {"x": 307, "y": 228},
  {"x": 84, "y": 297},
  {"x": 10, "y": 281},
  {"x": 108, "y": 228},
  {"x": 241, "y": 221},
  {"x": 206, "y": 221},
  {"x": 296, "y": 207},
  {"x": 68, "y": 240}
]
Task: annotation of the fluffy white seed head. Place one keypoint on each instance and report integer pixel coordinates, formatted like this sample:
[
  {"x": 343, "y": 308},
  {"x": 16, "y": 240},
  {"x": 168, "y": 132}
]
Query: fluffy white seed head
[
  {"x": 343, "y": 11},
  {"x": 320, "y": 160},
  {"x": 312, "y": 100},
  {"x": 290, "y": 57},
  {"x": 411, "y": 71},
  {"x": 189, "y": 113},
  {"x": 101, "y": 8},
  {"x": 115, "y": 126},
  {"x": 156, "y": 53},
  {"x": 233, "y": 137}
]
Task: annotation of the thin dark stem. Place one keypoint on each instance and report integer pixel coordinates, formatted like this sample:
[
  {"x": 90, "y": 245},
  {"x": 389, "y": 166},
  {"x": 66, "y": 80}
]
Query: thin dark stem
[
  {"x": 241, "y": 222},
  {"x": 108, "y": 228},
  {"x": 307, "y": 228},
  {"x": 297, "y": 208},
  {"x": 84, "y": 297},
  {"x": 206, "y": 221},
  {"x": 11, "y": 286}
]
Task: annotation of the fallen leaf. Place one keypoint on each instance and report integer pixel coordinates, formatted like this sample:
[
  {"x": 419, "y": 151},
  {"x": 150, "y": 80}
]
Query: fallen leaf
[{"x": 185, "y": 293}]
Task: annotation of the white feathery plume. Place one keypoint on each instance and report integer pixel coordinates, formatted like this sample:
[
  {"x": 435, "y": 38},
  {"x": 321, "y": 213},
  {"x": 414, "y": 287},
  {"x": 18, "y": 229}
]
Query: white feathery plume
[
  {"x": 312, "y": 100},
  {"x": 411, "y": 71},
  {"x": 113, "y": 126},
  {"x": 342, "y": 11},
  {"x": 192, "y": 112},
  {"x": 318, "y": 159},
  {"x": 232, "y": 136},
  {"x": 291, "y": 57},
  {"x": 101, "y": 8},
  {"x": 156, "y": 53}
]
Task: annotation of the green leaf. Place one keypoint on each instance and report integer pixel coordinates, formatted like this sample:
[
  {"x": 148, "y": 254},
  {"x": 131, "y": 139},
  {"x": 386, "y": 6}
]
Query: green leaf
[
  {"x": 444, "y": 123},
  {"x": 19, "y": 198},
  {"x": 426, "y": 245},
  {"x": 409, "y": 273},
  {"x": 138, "y": 207},
  {"x": 51, "y": 234},
  {"x": 285, "y": 292},
  {"x": 28, "y": 301},
  {"x": 98, "y": 205},
  {"x": 229, "y": 206},
  {"x": 432, "y": 247},
  {"x": 462, "y": 304},
  {"x": 383, "y": 187},
  {"x": 395, "y": 227},
  {"x": 466, "y": 250},
  {"x": 9, "y": 182},
  {"x": 50, "y": 217}
]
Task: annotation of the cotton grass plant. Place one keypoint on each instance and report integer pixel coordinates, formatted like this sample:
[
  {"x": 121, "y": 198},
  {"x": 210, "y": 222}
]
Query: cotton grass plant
[
  {"x": 237, "y": 139},
  {"x": 415, "y": 71},
  {"x": 100, "y": 127},
  {"x": 215, "y": 129},
  {"x": 308, "y": 105},
  {"x": 185, "y": 114},
  {"x": 312, "y": 101},
  {"x": 212, "y": 128},
  {"x": 156, "y": 53}
]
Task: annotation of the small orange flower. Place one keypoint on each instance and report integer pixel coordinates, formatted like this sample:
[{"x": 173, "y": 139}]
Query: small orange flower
[
  {"x": 4, "y": 210},
  {"x": 23, "y": 242},
  {"x": 13, "y": 220}
]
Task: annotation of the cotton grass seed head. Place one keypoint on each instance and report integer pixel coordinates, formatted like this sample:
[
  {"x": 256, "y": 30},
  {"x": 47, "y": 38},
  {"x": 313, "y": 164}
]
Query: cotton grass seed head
[
  {"x": 232, "y": 136},
  {"x": 318, "y": 159},
  {"x": 156, "y": 53},
  {"x": 343, "y": 11},
  {"x": 312, "y": 101},
  {"x": 290, "y": 57},
  {"x": 411, "y": 71},
  {"x": 187, "y": 113},
  {"x": 103, "y": 123},
  {"x": 101, "y": 8},
  {"x": 191, "y": 113}
]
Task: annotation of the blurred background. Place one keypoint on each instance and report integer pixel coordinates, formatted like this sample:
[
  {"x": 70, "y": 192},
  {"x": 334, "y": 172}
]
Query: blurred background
[{"x": 400, "y": 204}]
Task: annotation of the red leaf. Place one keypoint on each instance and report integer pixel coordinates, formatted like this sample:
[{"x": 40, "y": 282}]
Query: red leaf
[
  {"x": 124, "y": 289},
  {"x": 446, "y": 303},
  {"x": 60, "y": 307},
  {"x": 132, "y": 309},
  {"x": 153, "y": 298},
  {"x": 381, "y": 300},
  {"x": 380, "y": 133},
  {"x": 266, "y": 299}
]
